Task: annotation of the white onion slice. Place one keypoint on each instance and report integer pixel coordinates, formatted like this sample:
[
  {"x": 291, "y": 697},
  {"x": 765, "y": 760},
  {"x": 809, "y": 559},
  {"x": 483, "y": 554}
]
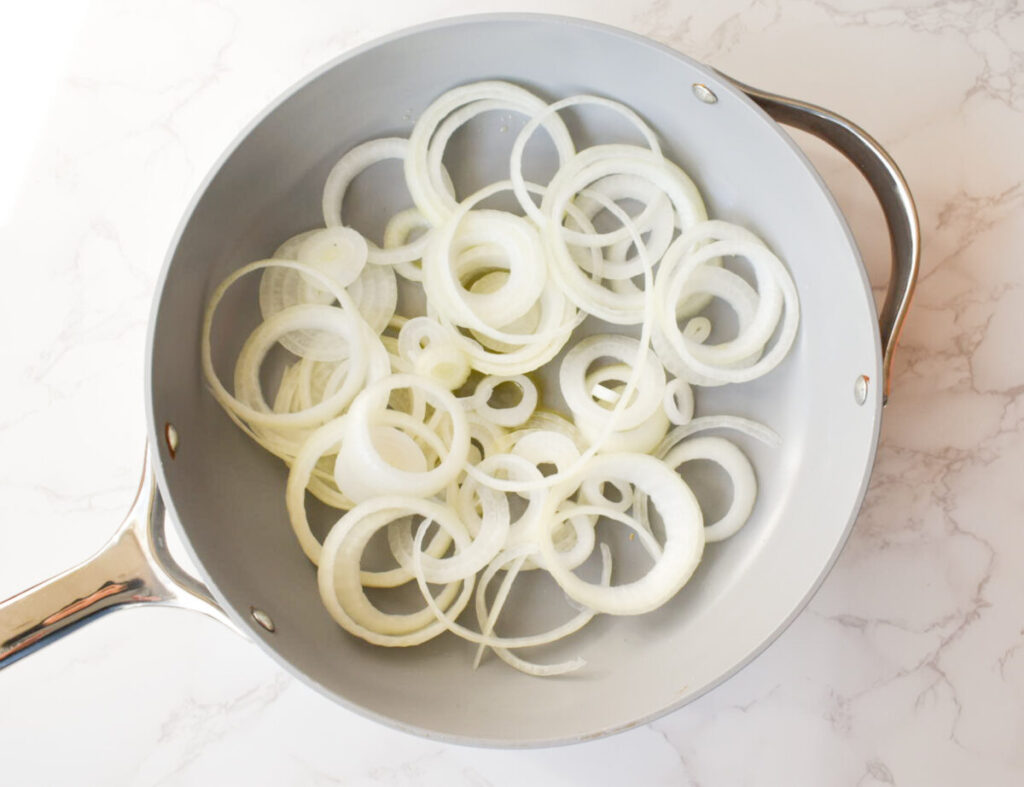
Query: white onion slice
[
  {"x": 367, "y": 474},
  {"x": 678, "y": 402},
  {"x": 427, "y": 194},
  {"x": 512, "y": 561},
  {"x": 339, "y": 575},
  {"x": 684, "y": 539},
  {"x": 341, "y": 176},
  {"x": 732, "y": 460},
  {"x": 515, "y": 415},
  {"x": 578, "y": 391}
]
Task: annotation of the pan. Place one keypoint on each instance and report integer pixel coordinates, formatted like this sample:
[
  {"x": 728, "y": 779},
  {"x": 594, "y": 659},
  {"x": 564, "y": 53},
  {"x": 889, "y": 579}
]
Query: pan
[{"x": 225, "y": 495}]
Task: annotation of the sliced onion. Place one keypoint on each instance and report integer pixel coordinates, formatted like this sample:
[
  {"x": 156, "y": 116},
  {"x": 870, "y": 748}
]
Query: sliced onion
[
  {"x": 367, "y": 473},
  {"x": 390, "y": 415},
  {"x": 744, "y": 484},
  {"x": 684, "y": 539},
  {"x": 339, "y": 575},
  {"x": 516, "y": 415},
  {"x": 341, "y": 176},
  {"x": 427, "y": 193}
]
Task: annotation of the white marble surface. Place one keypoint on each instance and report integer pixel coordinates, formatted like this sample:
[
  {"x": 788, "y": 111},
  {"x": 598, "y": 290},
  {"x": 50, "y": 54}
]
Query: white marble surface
[{"x": 908, "y": 666}]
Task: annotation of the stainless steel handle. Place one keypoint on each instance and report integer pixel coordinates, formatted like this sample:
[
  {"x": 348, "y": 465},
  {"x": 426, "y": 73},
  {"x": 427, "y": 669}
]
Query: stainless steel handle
[
  {"x": 890, "y": 189},
  {"x": 134, "y": 567}
]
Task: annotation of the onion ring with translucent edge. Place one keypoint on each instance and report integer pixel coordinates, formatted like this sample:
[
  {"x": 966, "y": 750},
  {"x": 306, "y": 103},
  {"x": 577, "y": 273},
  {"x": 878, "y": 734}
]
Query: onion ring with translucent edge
[
  {"x": 449, "y": 622},
  {"x": 375, "y": 295},
  {"x": 426, "y": 194},
  {"x": 557, "y": 318},
  {"x": 739, "y": 348},
  {"x": 646, "y": 538},
  {"x": 338, "y": 252},
  {"x": 368, "y": 474},
  {"x": 586, "y": 293},
  {"x": 545, "y": 446},
  {"x": 542, "y": 117},
  {"x": 523, "y": 326},
  {"x": 592, "y": 493},
  {"x": 639, "y": 439},
  {"x": 486, "y": 240},
  {"x": 618, "y": 265},
  {"x": 684, "y": 539},
  {"x": 487, "y": 542},
  {"x": 487, "y": 619},
  {"x": 513, "y": 416},
  {"x": 397, "y": 233},
  {"x": 328, "y": 317},
  {"x": 338, "y": 576},
  {"x": 696, "y": 236},
  {"x": 678, "y": 402},
  {"x": 736, "y": 423},
  {"x": 579, "y": 395},
  {"x": 445, "y": 293},
  {"x": 471, "y": 490},
  {"x": 283, "y": 287},
  {"x": 746, "y": 426},
  {"x": 445, "y": 363},
  {"x": 340, "y": 178},
  {"x": 319, "y": 443},
  {"x": 626, "y": 394},
  {"x": 744, "y": 484},
  {"x": 759, "y": 329}
]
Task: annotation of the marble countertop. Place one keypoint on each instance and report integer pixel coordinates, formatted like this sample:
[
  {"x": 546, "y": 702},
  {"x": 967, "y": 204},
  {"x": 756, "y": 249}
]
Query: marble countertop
[{"x": 907, "y": 668}]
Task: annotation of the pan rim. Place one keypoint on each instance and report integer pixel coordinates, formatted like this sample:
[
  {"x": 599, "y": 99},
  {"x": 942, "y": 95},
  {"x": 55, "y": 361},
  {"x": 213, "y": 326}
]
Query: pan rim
[{"x": 245, "y": 624}]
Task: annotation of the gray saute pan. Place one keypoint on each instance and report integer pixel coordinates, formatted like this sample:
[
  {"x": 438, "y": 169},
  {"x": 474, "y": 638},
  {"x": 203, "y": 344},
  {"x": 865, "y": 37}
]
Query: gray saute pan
[{"x": 226, "y": 495}]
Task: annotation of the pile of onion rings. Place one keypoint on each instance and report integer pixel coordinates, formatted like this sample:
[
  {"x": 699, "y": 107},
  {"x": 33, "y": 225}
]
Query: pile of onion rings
[{"x": 426, "y": 429}]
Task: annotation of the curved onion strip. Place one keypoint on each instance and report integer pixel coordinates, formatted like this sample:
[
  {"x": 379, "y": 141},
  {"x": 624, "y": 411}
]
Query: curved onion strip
[
  {"x": 375, "y": 295},
  {"x": 443, "y": 289},
  {"x": 426, "y": 194},
  {"x": 488, "y": 540},
  {"x": 619, "y": 268},
  {"x": 678, "y": 402},
  {"x": 579, "y": 394},
  {"x": 627, "y": 391},
  {"x": 339, "y": 577},
  {"x": 341, "y": 176},
  {"x": 322, "y": 441},
  {"x": 614, "y": 307},
  {"x": 769, "y": 270},
  {"x": 449, "y": 621},
  {"x": 684, "y": 539},
  {"x": 368, "y": 474},
  {"x": 544, "y": 116},
  {"x": 745, "y": 426},
  {"x": 314, "y": 415},
  {"x": 491, "y": 616},
  {"x": 744, "y": 484},
  {"x": 515, "y": 415},
  {"x": 398, "y": 231}
]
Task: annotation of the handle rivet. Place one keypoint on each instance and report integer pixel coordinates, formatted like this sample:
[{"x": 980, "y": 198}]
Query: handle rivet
[
  {"x": 171, "y": 436},
  {"x": 704, "y": 93},
  {"x": 860, "y": 389},
  {"x": 262, "y": 618}
]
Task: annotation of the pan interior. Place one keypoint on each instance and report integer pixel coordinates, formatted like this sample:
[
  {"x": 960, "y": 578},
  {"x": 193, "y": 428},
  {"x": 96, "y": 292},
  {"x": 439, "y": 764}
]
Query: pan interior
[{"x": 227, "y": 493}]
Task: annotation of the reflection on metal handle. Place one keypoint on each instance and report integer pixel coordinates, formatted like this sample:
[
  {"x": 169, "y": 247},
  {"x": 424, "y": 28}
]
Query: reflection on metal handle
[
  {"x": 134, "y": 567},
  {"x": 889, "y": 187}
]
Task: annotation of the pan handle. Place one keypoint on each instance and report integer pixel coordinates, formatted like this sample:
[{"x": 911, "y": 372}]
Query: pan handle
[
  {"x": 891, "y": 190},
  {"x": 134, "y": 567}
]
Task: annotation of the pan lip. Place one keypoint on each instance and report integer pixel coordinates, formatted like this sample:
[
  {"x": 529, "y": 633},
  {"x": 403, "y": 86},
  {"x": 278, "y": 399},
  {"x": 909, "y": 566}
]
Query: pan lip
[{"x": 245, "y": 624}]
